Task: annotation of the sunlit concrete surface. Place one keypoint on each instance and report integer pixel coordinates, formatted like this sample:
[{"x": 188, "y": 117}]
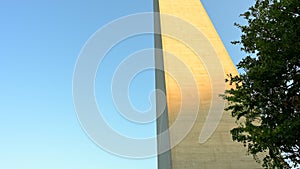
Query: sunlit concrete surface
[{"x": 196, "y": 63}]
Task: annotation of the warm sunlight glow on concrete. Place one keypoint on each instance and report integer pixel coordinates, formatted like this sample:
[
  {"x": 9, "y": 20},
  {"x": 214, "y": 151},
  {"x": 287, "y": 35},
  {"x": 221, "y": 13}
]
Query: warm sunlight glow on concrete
[{"x": 218, "y": 151}]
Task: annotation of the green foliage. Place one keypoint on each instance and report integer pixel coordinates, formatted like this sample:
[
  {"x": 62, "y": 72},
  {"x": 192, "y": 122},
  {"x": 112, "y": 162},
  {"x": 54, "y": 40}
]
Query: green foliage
[{"x": 265, "y": 99}]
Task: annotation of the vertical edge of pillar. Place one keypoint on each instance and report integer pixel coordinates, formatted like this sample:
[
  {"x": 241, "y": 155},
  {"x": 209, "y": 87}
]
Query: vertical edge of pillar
[{"x": 164, "y": 160}]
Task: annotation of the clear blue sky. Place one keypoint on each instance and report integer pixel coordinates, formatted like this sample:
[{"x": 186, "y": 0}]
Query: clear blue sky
[{"x": 40, "y": 41}]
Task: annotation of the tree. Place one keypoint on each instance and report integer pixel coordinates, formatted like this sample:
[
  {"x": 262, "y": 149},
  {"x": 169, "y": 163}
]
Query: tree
[{"x": 265, "y": 98}]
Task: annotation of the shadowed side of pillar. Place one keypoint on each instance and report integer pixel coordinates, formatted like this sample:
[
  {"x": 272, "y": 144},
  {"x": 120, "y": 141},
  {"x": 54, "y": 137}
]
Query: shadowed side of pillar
[{"x": 164, "y": 158}]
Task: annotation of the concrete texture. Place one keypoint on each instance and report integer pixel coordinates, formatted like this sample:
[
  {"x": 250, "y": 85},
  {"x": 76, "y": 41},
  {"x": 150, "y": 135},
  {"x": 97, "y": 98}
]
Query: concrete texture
[{"x": 195, "y": 63}]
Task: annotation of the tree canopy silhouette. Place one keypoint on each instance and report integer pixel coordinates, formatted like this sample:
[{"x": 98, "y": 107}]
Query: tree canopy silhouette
[{"x": 265, "y": 98}]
